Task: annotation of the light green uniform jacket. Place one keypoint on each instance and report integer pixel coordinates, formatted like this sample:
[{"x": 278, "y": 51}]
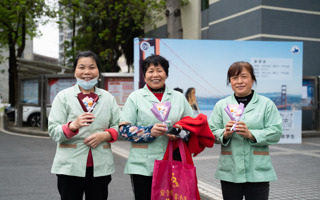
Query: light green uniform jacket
[
  {"x": 241, "y": 159},
  {"x": 137, "y": 111},
  {"x": 71, "y": 154}
]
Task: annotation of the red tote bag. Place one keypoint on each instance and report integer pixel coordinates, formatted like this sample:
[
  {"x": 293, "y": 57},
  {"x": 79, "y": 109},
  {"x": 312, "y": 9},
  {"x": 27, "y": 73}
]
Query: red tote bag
[{"x": 174, "y": 179}]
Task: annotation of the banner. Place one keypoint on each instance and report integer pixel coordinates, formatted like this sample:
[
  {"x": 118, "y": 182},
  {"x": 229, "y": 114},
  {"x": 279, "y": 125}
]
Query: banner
[{"x": 203, "y": 65}]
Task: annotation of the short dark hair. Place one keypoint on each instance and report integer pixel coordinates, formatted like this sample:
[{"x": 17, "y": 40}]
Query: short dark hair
[
  {"x": 178, "y": 89},
  {"x": 155, "y": 60},
  {"x": 86, "y": 54},
  {"x": 237, "y": 67}
]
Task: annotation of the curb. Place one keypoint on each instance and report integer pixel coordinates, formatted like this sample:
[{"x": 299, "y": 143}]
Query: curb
[
  {"x": 27, "y": 132},
  {"x": 4, "y": 125}
]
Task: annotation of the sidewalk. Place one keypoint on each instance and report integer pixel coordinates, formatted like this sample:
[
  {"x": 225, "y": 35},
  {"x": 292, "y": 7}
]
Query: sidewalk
[{"x": 297, "y": 166}]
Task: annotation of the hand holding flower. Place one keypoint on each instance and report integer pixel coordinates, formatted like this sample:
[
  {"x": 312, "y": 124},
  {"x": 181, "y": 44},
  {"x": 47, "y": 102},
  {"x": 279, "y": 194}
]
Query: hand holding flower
[
  {"x": 82, "y": 120},
  {"x": 242, "y": 129},
  {"x": 228, "y": 132},
  {"x": 158, "y": 129}
]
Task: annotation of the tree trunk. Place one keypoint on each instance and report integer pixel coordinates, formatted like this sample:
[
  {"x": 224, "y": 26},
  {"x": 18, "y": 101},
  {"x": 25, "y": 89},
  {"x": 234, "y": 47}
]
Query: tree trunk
[
  {"x": 173, "y": 14},
  {"x": 23, "y": 35},
  {"x": 74, "y": 27},
  {"x": 13, "y": 72},
  {"x": 128, "y": 69}
]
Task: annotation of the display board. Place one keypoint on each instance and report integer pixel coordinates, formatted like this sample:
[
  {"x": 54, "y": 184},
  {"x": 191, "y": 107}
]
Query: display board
[
  {"x": 30, "y": 91},
  {"x": 203, "y": 64},
  {"x": 119, "y": 87},
  {"x": 58, "y": 84}
]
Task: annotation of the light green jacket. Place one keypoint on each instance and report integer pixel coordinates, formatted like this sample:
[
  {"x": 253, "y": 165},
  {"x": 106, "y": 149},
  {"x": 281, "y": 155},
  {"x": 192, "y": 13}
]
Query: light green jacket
[
  {"x": 243, "y": 160},
  {"x": 137, "y": 111},
  {"x": 71, "y": 154}
]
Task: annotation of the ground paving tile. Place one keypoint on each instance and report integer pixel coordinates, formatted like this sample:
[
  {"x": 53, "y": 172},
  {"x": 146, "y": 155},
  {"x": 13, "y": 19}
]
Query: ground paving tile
[
  {"x": 297, "y": 173},
  {"x": 297, "y": 167}
]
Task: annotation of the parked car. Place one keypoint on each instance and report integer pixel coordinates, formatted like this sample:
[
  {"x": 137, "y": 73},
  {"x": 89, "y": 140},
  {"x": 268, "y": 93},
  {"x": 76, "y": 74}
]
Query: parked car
[
  {"x": 10, "y": 112},
  {"x": 30, "y": 115}
]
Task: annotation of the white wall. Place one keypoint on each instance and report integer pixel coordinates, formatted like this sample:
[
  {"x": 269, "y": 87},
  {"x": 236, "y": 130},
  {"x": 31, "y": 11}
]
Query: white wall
[
  {"x": 4, "y": 76},
  {"x": 4, "y": 66},
  {"x": 191, "y": 20}
]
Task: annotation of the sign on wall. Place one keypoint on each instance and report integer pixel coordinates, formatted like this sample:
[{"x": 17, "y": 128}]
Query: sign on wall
[
  {"x": 58, "y": 84},
  {"x": 203, "y": 64},
  {"x": 119, "y": 87}
]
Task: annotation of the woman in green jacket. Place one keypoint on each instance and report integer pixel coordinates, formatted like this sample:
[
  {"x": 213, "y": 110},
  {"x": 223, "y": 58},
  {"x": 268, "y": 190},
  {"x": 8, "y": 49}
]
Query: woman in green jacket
[
  {"x": 84, "y": 121},
  {"x": 146, "y": 132},
  {"x": 245, "y": 167}
]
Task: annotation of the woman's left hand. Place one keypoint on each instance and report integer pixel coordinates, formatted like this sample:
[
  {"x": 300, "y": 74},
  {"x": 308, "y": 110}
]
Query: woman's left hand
[
  {"x": 96, "y": 138},
  {"x": 173, "y": 137},
  {"x": 158, "y": 129},
  {"x": 242, "y": 129}
]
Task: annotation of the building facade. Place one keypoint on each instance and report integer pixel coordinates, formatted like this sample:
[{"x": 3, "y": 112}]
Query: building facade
[
  {"x": 4, "y": 66},
  {"x": 272, "y": 20},
  {"x": 259, "y": 20},
  {"x": 65, "y": 35}
]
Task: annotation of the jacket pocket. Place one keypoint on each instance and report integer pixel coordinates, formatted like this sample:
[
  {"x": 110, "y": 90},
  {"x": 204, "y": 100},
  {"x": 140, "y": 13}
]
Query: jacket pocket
[
  {"x": 262, "y": 153},
  {"x": 68, "y": 146},
  {"x": 226, "y": 163},
  {"x": 261, "y": 161},
  {"x": 226, "y": 153}
]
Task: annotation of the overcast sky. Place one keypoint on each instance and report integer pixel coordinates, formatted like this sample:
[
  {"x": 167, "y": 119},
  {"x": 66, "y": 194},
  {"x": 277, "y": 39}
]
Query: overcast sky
[{"x": 48, "y": 43}]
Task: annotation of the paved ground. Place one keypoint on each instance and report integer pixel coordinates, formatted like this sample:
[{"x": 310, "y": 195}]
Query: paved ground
[
  {"x": 297, "y": 167},
  {"x": 25, "y": 164}
]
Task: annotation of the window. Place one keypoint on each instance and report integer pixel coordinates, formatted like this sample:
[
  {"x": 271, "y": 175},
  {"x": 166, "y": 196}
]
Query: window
[{"x": 204, "y": 4}]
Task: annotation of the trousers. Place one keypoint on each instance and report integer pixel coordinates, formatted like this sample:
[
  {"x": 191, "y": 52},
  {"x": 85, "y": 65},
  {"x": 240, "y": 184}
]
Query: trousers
[
  {"x": 73, "y": 188},
  {"x": 141, "y": 186},
  {"x": 251, "y": 191}
]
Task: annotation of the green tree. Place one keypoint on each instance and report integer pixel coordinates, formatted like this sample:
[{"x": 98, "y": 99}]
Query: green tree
[
  {"x": 108, "y": 27},
  {"x": 18, "y": 20}
]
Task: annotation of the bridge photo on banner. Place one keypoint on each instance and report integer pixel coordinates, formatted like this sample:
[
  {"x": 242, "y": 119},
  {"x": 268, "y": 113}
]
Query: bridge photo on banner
[{"x": 203, "y": 65}]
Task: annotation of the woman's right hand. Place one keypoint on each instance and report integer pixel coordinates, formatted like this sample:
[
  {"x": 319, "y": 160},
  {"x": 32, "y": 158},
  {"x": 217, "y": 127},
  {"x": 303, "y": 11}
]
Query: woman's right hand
[
  {"x": 84, "y": 119},
  {"x": 227, "y": 132},
  {"x": 158, "y": 130}
]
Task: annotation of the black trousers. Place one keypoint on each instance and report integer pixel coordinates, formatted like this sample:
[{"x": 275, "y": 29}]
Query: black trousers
[
  {"x": 73, "y": 188},
  {"x": 251, "y": 191},
  {"x": 141, "y": 186}
]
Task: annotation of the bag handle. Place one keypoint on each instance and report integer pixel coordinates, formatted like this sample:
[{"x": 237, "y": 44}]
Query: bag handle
[{"x": 181, "y": 150}]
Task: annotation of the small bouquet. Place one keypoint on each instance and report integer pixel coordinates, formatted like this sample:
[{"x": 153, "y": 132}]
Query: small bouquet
[
  {"x": 88, "y": 101},
  {"x": 234, "y": 111},
  {"x": 161, "y": 112}
]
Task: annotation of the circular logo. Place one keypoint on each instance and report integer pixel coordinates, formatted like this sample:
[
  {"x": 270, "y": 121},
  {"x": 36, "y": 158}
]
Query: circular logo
[
  {"x": 295, "y": 49},
  {"x": 144, "y": 46}
]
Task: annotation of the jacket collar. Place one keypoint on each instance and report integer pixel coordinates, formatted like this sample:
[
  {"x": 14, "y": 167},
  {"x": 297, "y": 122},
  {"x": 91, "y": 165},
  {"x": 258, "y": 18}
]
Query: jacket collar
[
  {"x": 251, "y": 105},
  {"x": 150, "y": 96},
  {"x": 76, "y": 91}
]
